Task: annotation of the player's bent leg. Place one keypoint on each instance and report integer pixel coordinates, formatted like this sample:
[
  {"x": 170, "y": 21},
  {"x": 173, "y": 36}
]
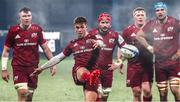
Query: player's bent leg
[
  {"x": 83, "y": 74},
  {"x": 22, "y": 91},
  {"x": 174, "y": 86},
  {"x": 90, "y": 91},
  {"x": 136, "y": 93},
  {"x": 163, "y": 90},
  {"x": 146, "y": 88},
  {"x": 90, "y": 83}
]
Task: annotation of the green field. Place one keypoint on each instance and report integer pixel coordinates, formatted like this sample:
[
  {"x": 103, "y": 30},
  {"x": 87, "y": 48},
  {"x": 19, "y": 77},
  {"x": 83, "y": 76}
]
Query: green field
[{"x": 61, "y": 87}]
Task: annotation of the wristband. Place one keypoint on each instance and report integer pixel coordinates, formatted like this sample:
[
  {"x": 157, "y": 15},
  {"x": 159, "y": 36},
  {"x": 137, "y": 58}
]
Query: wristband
[{"x": 4, "y": 61}]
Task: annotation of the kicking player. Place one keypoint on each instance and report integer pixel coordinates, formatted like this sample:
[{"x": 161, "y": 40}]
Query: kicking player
[
  {"x": 84, "y": 49},
  {"x": 139, "y": 69},
  {"x": 105, "y": 59},
  {"x": 164, "y": 31},
  {"x": 24, "y": 39}
]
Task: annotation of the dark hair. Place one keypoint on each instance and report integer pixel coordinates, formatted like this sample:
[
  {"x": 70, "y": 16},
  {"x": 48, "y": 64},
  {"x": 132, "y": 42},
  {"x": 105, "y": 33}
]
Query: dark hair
[
  {"x": 25, "y": 9},
  {"x": 80, "y": 19}
]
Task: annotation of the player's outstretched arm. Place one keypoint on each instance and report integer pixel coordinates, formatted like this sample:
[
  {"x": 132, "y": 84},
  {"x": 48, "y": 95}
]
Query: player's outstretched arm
[
  {"x": 4, "y": 61},
  {"x": 141, "y": 38},
  {"x": 53, "y": 61}
]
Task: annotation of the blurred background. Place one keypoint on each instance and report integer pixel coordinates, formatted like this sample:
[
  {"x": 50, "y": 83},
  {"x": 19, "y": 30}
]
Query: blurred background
[{"x": 57, "y": 15}]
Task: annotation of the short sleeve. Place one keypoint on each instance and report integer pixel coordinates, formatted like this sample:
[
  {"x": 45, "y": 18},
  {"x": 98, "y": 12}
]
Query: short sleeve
[
  {"x": 41, "y": 39},
  {"x": 9, "y": 41},
  {"x": 67, "y": 50}
]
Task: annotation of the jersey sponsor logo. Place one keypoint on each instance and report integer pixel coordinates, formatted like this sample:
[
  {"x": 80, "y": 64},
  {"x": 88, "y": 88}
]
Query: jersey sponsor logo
[
  {"x": 164, "y": 38},
  {"x": 26, "y": 44},
  {"x": 170, "y": 29},
  {"x": 17, "y": 36},
  {"x": 133, "y": 35},
  {"x": 111, "y": 40},
  {"x": 83, "y": 50},
  {"x": 33, "y": 35},
  {"x": 154, "y": 31}
]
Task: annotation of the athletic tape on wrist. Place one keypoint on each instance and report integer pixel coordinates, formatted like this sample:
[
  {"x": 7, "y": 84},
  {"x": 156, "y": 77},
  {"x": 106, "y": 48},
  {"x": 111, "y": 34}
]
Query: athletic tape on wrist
[{"x": 4, "y": 61}]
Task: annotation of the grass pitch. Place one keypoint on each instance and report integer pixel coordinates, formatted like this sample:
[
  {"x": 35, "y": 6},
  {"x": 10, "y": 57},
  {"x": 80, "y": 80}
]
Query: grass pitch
[{"x": 61, "y": 88}]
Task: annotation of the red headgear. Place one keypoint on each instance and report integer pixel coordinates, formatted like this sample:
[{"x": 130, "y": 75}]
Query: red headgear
[{"x": 104, "y": 16}]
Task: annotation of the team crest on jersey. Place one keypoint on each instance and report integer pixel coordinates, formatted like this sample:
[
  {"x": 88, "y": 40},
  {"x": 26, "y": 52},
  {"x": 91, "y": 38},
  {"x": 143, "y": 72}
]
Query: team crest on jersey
[
  {"x": 154, "y": 31},
  {"x": 111, "y": 40},
  {"x": 33, "y": 35},
  {"x": 17, "y": 36},
  {"x": 170, "y": 29}
]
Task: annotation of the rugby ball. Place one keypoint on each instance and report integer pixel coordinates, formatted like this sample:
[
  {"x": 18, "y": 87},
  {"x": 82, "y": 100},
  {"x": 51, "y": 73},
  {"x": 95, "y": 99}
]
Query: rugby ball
[{"x": 129, "y": 51}]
